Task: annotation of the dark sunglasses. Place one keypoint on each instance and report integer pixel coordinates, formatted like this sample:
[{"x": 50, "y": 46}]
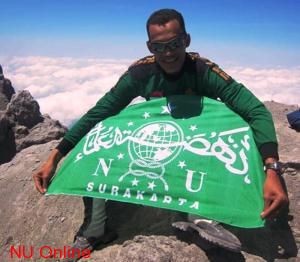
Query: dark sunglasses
[{"x": 160, "y": 47}]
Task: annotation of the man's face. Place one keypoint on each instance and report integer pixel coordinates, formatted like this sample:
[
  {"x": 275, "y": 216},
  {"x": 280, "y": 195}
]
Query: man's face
[{"x": 168, "y": 43}]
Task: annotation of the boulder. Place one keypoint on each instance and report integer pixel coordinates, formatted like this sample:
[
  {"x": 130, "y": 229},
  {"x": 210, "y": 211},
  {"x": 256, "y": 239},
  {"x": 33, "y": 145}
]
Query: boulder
[
  {"x": 24, "y": 110},
  {"x": 21, "y": 122},
  {"x": 6, "y": 91},
  {"x": 7, "y": 140}
]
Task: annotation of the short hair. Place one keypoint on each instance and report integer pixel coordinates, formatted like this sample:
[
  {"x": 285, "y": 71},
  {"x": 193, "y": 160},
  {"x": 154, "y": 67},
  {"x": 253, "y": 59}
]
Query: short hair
[{"x": 163, "y": 16}]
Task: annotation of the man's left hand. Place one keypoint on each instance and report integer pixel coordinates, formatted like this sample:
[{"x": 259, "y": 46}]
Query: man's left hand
[{"x": 275, "y": 197}]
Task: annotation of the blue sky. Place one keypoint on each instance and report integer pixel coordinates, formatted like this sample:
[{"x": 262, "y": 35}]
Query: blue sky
[
  {"x": 70, "y": 52},
  {"x": 255, "y": 33}
]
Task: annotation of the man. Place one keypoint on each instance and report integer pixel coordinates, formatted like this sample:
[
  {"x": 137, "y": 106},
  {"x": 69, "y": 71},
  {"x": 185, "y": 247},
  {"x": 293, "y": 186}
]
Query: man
[{"x": 170, "y": 71}]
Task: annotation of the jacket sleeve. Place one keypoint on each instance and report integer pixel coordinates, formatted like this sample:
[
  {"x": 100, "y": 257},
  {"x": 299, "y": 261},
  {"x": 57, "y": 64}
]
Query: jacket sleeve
[
  {"x": 237, "y": 97},
  {"x": 110, "y": 104}
]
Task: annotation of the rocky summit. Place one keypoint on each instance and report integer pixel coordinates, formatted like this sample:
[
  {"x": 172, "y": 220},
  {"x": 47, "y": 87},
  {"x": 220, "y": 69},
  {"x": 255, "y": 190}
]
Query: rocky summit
[
  {"x": 39, "y": 225},
  {"x": 21, "y": 122}
]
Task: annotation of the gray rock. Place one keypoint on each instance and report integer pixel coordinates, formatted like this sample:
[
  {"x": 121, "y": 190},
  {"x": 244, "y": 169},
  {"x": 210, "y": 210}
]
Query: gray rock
[
  {"x": 43, "y": 132},
  {"x": 289, "y": 139},
  {"x": 4, "y": 125},
  {"x": 21, "y": 131},
  {"x": 7, "y": 140},
  {"x": 152, "y": 249},
  {"x": 6, "y": 91},
  {"x": 21, "y": 122},
  {"x": 24, "y": 110},
  {"x": 25, "y": 213}
]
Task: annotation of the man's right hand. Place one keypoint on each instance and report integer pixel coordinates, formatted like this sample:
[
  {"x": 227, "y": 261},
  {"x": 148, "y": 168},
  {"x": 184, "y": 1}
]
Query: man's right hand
[{"x": 43, "y": 176}]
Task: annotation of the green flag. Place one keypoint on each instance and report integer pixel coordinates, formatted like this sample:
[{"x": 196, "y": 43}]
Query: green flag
[{"x": 183, "y": 153}]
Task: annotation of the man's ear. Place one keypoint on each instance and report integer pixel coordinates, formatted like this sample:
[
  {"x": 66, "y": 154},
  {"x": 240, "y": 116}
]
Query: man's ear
[
  {"x": 187, "y": 40},
  {"x": 149, "y": 46}
]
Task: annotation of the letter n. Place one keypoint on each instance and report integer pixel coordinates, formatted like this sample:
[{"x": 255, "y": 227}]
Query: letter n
[{"x": 105, "y": 167}]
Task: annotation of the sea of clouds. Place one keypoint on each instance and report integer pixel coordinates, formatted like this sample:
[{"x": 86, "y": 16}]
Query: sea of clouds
[{"x": 66, "y": 88}]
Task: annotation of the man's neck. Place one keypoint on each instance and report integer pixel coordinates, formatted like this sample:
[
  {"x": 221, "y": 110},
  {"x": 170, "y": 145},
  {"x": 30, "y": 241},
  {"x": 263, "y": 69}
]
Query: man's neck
[{"x": 177, "y": 75}]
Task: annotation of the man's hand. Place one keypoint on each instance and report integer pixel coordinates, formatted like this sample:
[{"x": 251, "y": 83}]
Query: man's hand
[
  {"x": 274, "y": 195},
  {"x": 43, "y": 176}
]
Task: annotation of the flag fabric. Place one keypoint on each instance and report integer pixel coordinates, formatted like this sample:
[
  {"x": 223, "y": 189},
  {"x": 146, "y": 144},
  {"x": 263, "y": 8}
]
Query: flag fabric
[{"x": 181, "y": 153}]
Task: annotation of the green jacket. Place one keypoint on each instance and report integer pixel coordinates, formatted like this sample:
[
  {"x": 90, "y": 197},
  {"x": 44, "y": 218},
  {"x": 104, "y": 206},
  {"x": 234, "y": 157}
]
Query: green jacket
[{"x": 198, "y": 76}]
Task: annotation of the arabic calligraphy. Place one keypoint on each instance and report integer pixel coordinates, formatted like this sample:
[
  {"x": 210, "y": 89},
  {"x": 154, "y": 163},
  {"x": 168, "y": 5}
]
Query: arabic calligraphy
[{"x": 223, "y": 147}]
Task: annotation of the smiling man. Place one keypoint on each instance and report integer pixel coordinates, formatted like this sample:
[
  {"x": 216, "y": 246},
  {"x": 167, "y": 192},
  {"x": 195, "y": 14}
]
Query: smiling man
[
  {"x": 172, "y": 71},
  {"x": 168, "y": 42}
]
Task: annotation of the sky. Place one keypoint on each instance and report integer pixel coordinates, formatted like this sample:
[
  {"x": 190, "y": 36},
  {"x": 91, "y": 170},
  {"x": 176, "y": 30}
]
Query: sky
[{"x": 68, "y": 53}]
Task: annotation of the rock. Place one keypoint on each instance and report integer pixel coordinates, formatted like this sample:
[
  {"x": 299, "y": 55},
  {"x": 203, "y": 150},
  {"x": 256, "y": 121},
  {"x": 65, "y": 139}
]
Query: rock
[
  {"x": 30, "y": 218},
  {"x": 21, "y": 131},
  {"x": 21, "y": 122},
  {"x": 288, "y": 138},
  {"x": 7, "y": 140},
  {"x": 24, "y": 110},
  {"x": 43, "y": 132},
  {"x": 151, "y": 248},
  {"x": 6, "y": 91},
  {"x": 4, "y": 126}
]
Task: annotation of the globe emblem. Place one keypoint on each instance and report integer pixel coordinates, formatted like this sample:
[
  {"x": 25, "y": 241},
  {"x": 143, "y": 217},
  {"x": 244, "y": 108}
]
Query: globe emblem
[{"x": 156, "y": 144}]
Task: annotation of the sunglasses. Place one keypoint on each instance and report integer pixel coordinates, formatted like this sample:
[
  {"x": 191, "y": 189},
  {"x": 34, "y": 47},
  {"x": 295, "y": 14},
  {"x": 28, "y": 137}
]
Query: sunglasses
[{"x": 160, "y": 47}]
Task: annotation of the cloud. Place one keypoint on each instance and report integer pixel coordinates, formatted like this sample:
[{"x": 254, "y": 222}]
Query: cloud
[
  {"x": 66, "y": 88},
  {"x": 280, "y": 84}
]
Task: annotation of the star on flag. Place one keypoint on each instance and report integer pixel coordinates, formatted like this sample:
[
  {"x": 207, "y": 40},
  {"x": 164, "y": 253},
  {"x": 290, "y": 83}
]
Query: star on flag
[
  {"x": 146, "y": 115},
  {"x": 181, "y": 164},
  {"x": 151, "y": 185},
  {"x": 165, "y": 110},
  {"x": 134, "y": 182},
  {"x": 193, "y": 127},
  {"x": 120, "y": 156}
]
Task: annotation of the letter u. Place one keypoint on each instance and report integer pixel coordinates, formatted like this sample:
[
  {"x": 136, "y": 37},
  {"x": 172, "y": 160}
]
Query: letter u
[
  {"x": 102, "y": 188},
  {"x": 189, "y": 181}
]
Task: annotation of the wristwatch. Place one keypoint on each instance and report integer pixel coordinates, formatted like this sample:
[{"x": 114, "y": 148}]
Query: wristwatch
[{"x": 276, "y": 166}]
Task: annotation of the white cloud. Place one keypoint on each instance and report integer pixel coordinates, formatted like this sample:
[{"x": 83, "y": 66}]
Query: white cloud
[
  {"x": 280, "y": 84},
  {"x": 67, "y": 87}
]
